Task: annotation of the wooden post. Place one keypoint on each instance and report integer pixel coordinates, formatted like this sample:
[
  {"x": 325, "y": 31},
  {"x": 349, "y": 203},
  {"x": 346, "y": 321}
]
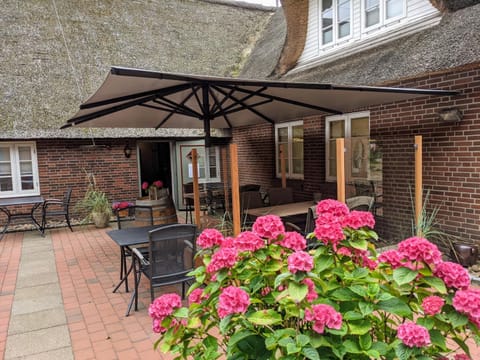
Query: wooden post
[
  {"x": 283, "y": 167},
  {"x": 196, "y": 193},
  {"x": 235, "y": 189},
  {"x": 418, "y": 180},
  {"x": 340, "y": 169},
  {"x": 226, "y": 193}
]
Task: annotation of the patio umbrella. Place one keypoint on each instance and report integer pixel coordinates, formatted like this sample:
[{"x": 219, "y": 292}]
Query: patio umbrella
[{"x": 134, "y": 98}]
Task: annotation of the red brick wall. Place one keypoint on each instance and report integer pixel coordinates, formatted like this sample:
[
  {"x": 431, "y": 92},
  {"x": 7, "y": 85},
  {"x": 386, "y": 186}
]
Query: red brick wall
[
  {"x": 451, "y": 156},
  {"x": 62, "y": 163}
]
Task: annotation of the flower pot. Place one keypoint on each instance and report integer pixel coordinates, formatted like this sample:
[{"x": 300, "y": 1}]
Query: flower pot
[
  {"x": 465, "y": 254},
  {"x": 100, "y": 219},
  {"x": 164, "y": 211}
]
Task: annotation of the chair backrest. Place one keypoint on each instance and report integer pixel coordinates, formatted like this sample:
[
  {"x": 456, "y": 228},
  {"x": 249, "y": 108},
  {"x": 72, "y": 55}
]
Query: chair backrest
[
  {"x": 249, "y": 187},
  {"x": 311, "y": 216},
  {"x": 134, "y": 216},
  {"x": 278, "y": 196},
  {"x": 251, "y": 200},
  {"x": 66, "y": 198},
  {"x": 362, "y": 203},
  {"x": 364, "y": 188},
  {"x": 172, "y": 249}
]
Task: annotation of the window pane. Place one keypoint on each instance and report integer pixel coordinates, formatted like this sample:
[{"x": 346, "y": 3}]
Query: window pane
[
  {"x": 372, "y": 12},
  {"x": 360, "y": 127},
  {"x": 5, "y": 154},
  {"x": 332, "y": 158},
  {"x": 343, "y": 18},
  {"x": 327, "y": 21},
  {"x": 24, "y": 153},
  {"x": 327, "y": 36},
  {"x": 394, "y": 8},
  {"x": 27, "y": 182},
  {"x": 337, "y": 129},
  {"x": 6, "y": 179},
  {"x": 283, "y": 135},
  {"x": 285, "y": 154}
]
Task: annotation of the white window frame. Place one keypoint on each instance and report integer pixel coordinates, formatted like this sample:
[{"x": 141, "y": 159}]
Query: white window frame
[
  {"x": 383, "y": 21},
  {"x": 15, "y": 169},
  {"x": 348, "y": 127},
  {"x": 335, "y": 39},
  {"x": 289, "y": 159}
]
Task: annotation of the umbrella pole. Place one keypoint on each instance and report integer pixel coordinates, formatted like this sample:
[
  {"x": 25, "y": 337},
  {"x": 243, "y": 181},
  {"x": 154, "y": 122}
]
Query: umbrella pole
[{"x": 235, "y": 189}]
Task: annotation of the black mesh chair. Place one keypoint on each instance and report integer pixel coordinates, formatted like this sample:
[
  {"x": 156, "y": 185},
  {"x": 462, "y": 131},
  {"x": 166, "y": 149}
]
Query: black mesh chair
[
  {"x": 171, "y": 253},
  {"x": 361, "y": 203},
  {"x": 128, "y": 217},
  {"x": 56, "y": 208},
  {"x": 279, "y": 196}
]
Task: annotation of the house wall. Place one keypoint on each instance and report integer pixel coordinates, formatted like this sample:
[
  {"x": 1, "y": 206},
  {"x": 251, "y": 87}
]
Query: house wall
[
  {"x": 451, "y": 156},
  {"x": 63, "y": 163}
]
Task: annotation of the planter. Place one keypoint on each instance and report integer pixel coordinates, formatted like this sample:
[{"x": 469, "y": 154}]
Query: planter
[
  {"x": 465, "y": 254},
  {"x": 164, "y": 211},
  {"x": 100, "y": 220}
]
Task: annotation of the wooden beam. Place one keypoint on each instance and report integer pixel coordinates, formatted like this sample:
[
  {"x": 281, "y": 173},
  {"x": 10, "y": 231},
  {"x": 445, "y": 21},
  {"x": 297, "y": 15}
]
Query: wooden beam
[
  {"x": 340, "y": 143},
  {"x": 418, "y": 181},
  {"x": 283, "y": 167},
  {"x": 196, "y": 192},
  {"x": 235, "y": 189},
  {"x": 226, "y": 193}
]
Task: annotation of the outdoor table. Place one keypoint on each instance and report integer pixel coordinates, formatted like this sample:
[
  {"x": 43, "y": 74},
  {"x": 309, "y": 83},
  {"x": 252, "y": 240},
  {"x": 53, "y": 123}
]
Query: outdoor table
[
  {"x": 125, "y": 238},
  {"x": 34, "y": 201},
  {"x": 284, "y": 210}
]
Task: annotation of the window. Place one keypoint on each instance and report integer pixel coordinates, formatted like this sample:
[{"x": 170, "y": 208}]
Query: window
[
  {"x": 379, "y": 12},
  {"x": 18, "y": 169},
  {"x": 335, "y": 20},
  {"x": 208, "y": 161},
  {"x": 355, "y": 129},
  {"x": 290, "y": 137}
]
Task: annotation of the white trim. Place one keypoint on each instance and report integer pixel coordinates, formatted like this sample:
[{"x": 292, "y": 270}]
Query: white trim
[
  {"x": 16, "y": 172},
  {"x": 289, "y": 126}
]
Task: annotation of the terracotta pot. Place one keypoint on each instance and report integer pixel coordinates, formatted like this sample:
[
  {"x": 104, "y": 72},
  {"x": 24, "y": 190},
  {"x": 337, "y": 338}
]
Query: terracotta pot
[
  {"x": 465, "y": 254},
  {"x": 100, "y": 220}
]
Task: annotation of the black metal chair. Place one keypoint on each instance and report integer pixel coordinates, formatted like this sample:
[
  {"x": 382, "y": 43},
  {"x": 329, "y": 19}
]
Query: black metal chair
[
  {"x": 171, "y": 253},
  {"x": 279, "y": 196},
  {"x": 55, "y": 208},
  {"x": 361, "y": 203},
  {"x": 127, "y": 217}
]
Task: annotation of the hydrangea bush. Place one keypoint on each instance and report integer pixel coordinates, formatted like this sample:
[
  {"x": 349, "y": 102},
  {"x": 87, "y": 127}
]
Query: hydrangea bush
[{"x": 271, "y": 294}]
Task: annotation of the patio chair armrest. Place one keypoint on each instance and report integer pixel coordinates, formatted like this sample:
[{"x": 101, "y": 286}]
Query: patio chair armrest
[{"x": 136, "y": 252}]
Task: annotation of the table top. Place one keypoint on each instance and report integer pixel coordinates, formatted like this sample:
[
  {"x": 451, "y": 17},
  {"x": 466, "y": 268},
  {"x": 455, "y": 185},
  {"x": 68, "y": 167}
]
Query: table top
[
  {"x": 132, "y": 236},
  {"x": 22, "y": 200},
  {"x": 297, "y": 208}
]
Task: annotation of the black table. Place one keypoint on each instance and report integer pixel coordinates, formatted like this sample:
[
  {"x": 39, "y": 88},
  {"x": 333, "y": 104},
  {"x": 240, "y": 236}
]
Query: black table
[
  {"x": 34, "y": 201},
  {"x": 125, "y": 238}
]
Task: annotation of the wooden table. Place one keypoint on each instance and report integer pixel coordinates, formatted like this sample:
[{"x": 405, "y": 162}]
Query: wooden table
[
  {"x": 284, "y": 210},
  {"x": 34, "y": 201}
]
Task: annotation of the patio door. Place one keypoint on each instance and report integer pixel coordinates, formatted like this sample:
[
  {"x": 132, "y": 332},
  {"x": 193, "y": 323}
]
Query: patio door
[
  {"x": 155, "y": 163},
  {"x": 208, "y": 166}
]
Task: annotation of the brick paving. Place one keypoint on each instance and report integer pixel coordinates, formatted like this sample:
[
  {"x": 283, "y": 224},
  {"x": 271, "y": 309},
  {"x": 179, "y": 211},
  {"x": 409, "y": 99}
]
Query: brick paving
[{"x": 87, "y": 263}]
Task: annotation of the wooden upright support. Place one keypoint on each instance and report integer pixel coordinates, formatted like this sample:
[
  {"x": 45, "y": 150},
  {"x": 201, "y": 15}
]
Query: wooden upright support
[
  {"x": 235, "y": 189},
  {"x": 196, "y": 191},
  {"x": 225, "y": 179},
  {"x": 283, "y": 167},
  {"x": 340, "y": 143}
]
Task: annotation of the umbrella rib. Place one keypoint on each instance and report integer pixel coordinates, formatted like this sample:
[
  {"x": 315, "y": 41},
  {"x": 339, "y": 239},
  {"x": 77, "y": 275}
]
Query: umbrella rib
[
  {"x": 179, "y": 106},
  {"x": 250, "y": 105},
  {"x": 287, "y": 101},
  {"x": 245, "y": 106},
  {"x": 182, "y": 105},
  {"x": 218, "y": 105},
  {"x": 257, "y": 92}
]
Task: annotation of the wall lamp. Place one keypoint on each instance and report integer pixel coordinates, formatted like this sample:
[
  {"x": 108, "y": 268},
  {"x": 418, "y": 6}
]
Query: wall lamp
[
  {"x": 127, "y": 151},
  {"x": 450, "y": 115}
]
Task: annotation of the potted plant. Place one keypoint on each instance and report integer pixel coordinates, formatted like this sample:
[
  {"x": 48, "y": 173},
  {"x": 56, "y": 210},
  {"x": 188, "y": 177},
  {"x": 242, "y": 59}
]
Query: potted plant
[{"x": 97, "y": 206}]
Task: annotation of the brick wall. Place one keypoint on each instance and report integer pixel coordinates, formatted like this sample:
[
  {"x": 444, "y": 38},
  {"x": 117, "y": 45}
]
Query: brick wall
[
  {"x": 451, "y": 156},
  {"x": 62, "y": 163}
]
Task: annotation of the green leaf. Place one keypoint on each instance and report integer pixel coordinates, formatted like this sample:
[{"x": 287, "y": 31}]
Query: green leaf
[
  {"x": 254, "y": 347},
  {"x": 238, "y": 336},
  {"x": 395, "y": 306},
  {"x": 323, "y": 262},
  {"x": 297, "y": 291},
  {"x": 353, "y": 315},
  {"x": 359, "y": 273},
  {"x": 310, "y": 353},
  {"x": 284, "y": 342},
  {"x": 365, "y": 341},
  {"x": 273, "y": 266},
  {"x": 352, "y": 347},
  {"x": 404, "y": 275},
  {"x": 265, "y": 317},
  {"x": 427, "y": 322},
  {"x": 438, "y": 339},
  {"x": 211, "y": 343},
  {"x": 293, "y": 349},
  {"x": 359, "y": 290},
  {"x": 343, "y": 294},
  {"x": 365, "y": 308},
  {"x": 361, "y": 244},
  {"x": 403, "y": 352},
  {"x": 381, "y": 347},
  {"x": 280, "y": 278},
  {"x": 302, "y": 340},
  {"x": 436, "y": 283},
  {"x": 359, "y": 327},
  {"x": 457, "y": 319}
]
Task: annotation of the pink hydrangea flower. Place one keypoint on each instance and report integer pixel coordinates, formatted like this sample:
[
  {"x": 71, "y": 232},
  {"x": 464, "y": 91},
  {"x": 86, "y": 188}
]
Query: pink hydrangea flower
[
  {"x": 468, "y": 302},
  {"x": 268, "y": 226},
  {"x": 293, "y": 240},
  {"x": 328, "y": 229},
  {"x": 419, "y": 249},
  {"x": 144, "y": 185},
  {"x": 392, "y": 257},
  {"x": 361, "y": 258},
  {"x": 266, "y": 290},
  {"x": 232, "y": 300},
  {"x": 248, "y": 241},
  {"x": 432, "y": 305},
  {"x": 225, "y": 257},
  {"x": 300, "y": 261},
  {"x": 164, "y": 306},
  {"x": 453, "y": 275},
  {"x": 413, "y": 335},
  {"x": 332, "y": 207},
  {"x": 312, "y": 294},
  {"x": 158, "y": 184},
  {"x": 157, "y": 326},
  {"x": 323, "y": 315},
  {"x": 209, "y": 238},
  {"x": 228, "y": 242},
  {"x": 358, "y": 219},
  {"x": 344, "y": 251},
  {"x": 461, "y": 357},
  {"x": 196, "y": 296}
]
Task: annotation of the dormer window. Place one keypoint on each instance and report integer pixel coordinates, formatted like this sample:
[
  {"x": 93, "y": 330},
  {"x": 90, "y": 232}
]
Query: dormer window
[
  {"x": 379, "y": 12},
  {"x": 336, "y": 21}
]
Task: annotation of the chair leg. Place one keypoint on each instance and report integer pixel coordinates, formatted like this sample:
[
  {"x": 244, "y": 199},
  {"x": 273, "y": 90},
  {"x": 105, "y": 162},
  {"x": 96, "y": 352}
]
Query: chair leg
[{"x": 68, "y": 222}]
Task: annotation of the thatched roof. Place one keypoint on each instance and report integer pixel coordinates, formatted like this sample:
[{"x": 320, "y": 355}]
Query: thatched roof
[
  {"x": 55, "y": 54},
  {"x": 454, "y": 42}
]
